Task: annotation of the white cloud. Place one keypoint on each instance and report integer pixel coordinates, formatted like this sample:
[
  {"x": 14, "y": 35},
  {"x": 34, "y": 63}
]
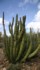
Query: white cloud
[
  {"x": 37, "y": 16},
  {"x": 36, "y": 23},
  {"x": 7, "y": 32},
  {"x": 5, "y": 21},
  {"x": 39, "y": 6},
  {"x": 0, "y": 27},
  {"x": 0, "y": 20},
  {"x": 27, "y": 1}
]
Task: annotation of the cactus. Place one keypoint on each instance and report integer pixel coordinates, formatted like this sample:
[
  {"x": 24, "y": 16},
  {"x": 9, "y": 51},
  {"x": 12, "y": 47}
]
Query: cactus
[
  {"x": 27, "y": 53},
  {"x": 5, "y": 40},
  {"x": 19, "y": 46},
  {"x": 21, "y": 49},
  {"x": 34, "y": 52}
]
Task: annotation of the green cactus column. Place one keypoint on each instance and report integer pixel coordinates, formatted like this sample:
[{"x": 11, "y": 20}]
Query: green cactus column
[
  {"x": 16, "y": 31},
  {"x": 5, "y": 38},
  {"x": 34, "y": 52},
  {"x": 21, "y": 37},
  {"x": 28, "y": 49}
]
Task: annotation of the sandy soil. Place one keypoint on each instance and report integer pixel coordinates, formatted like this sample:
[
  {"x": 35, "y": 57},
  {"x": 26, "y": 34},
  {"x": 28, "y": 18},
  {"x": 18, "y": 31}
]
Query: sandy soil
[{"x": 3, "y": 61}]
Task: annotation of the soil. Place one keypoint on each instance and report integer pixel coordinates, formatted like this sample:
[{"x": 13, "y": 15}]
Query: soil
[
  {"x": 34, "y": 64},
  {"x": 3, "y": 61}
]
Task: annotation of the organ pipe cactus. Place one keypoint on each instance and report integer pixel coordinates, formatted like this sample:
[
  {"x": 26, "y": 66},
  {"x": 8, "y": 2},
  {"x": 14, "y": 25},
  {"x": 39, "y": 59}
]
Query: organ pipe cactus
[{"x": 18, "y": 47}]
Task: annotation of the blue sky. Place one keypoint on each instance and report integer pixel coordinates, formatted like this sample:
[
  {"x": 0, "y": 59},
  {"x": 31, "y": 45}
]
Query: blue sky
[
  {"x": 30, "y": 8},
  {"x": 11, "y": 8}
]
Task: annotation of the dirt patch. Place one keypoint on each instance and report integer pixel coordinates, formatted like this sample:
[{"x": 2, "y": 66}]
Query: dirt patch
[{"x": 3, "y": 61}]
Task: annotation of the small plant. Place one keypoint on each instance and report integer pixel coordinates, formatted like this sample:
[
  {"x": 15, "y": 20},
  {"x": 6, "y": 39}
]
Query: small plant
[{"x": 19, "y": 46}]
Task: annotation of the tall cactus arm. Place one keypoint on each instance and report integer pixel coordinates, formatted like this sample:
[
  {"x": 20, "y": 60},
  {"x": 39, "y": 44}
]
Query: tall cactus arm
[
  {"x": 22, "y": 22},
  {"x": 16, "y": 30},
  {"x": 7, "y": 49},
  {"x": 21, "y": 25},
  {"x": 22, "y": 31},
  {"x": 22, "y": 28},
  {"x": 24, "y": 19},
  {"x": 12, "y": 21},
  {"x": 21, "y": 49},
  {"x": 3, "y": 25},
  {"x": 11, "y": 49},
  {"x": 11, "y": 41},
  {"x": 34, "y": 52},
  {"x": 17, "y": 48},
  {"x": 27, "y": 53},
  {"x": 10, "y": 29},
  {"x": 5, "y": 37},
  {"x": 21, "y": 35},
  {"x": 38, "y": 37}
]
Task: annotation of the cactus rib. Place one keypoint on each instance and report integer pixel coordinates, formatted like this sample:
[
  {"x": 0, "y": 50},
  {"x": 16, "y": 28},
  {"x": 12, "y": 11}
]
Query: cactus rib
[
  {"x": 27, "y": 53},
  {"x": 21, "y": 49},
  {"x": 34, "y": 52}
]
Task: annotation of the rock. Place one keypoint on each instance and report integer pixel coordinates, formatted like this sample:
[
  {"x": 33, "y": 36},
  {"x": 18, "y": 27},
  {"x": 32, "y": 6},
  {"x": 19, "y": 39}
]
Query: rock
[{"x": 4, "y": 68}]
